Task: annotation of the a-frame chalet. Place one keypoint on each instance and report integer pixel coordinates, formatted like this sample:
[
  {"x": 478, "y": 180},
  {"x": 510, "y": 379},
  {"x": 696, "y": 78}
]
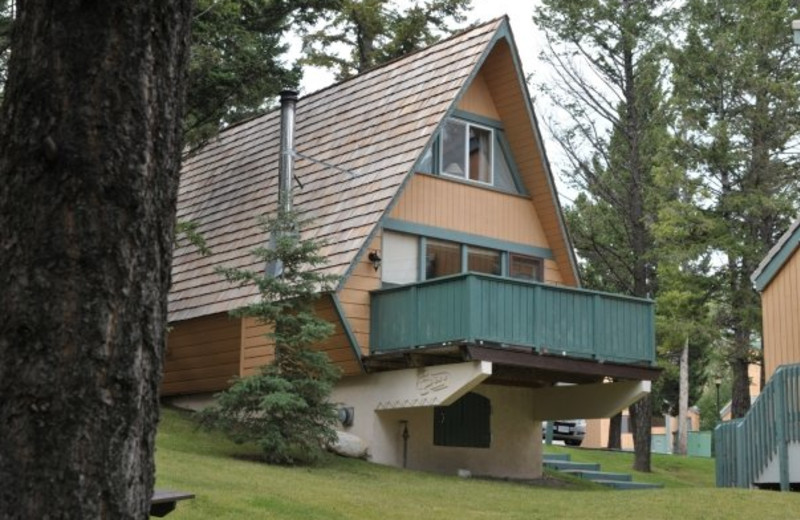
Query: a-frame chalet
[{"x": 460, "y": 321}]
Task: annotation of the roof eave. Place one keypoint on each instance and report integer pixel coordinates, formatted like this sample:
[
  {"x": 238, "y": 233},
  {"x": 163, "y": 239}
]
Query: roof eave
[{"x": 777, "y": 257}]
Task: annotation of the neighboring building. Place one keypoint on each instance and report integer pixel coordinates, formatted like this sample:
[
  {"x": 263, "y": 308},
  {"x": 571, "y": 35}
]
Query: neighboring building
[
  {"x": 778, "y": 281},
  {"x": 452, "y": 344},
  {"x": 597, "y": 430},
  {"x": 763, "y": 448}
]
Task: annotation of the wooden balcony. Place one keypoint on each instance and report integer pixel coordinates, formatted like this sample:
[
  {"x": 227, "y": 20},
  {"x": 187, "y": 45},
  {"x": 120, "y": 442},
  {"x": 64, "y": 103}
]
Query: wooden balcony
[{"x": 483, "y": 309}]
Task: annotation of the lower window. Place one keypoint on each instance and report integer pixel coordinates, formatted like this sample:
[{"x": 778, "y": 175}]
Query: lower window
[{"x": 525, "y": 267}]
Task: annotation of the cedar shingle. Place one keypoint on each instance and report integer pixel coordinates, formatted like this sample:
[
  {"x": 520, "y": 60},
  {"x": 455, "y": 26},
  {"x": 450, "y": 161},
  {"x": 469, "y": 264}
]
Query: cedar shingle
[{"x": 375, "y": 125}]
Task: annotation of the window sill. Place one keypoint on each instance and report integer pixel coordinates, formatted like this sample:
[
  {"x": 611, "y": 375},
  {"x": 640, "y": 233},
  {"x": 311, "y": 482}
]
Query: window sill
[{"x": 475, "y": 184}]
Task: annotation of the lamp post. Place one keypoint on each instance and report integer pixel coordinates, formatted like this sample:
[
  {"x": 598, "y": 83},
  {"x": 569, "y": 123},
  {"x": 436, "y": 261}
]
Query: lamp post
[
  {"x": 718, "y": 381},
  {"x": 796, "y": 31}
]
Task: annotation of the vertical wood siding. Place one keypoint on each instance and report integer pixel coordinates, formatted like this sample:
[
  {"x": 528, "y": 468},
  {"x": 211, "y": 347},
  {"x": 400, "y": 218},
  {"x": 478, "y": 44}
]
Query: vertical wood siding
[
  {"x": 354, "y": 296},
  {"x": 478, "y": 100},
  {"x": 504, "y": 84},
  {"x": 202, "y": 355},
  {"x": 781, "y": 309},
  {"x": 257, "y": 350}
]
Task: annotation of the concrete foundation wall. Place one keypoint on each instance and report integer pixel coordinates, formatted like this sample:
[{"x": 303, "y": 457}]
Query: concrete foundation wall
[{"x": 515, "y": 451}]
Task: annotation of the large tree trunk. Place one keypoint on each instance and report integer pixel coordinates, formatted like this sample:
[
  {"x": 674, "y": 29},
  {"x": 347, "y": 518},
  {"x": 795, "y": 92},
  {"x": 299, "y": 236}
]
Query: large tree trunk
[
  {"x": 683, "y": 401},
  {"x": 740, "y": 394},
  {"x": 89, "y": 161},
  {"x": 641, "y": 425},
  {"x": 615, "y": 432}
]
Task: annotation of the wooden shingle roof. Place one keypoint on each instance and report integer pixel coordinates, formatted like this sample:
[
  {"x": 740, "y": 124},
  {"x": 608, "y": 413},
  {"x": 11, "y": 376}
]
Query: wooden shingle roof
[{"x": 375, "y": 125}]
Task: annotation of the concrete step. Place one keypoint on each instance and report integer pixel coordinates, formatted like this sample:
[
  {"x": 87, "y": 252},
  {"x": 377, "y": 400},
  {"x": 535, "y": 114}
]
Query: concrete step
[
  {"x": 562, "y": 465},
  {"x": 551, "y": 457},
  {"x": 628, "y": 485},
  {"x": 599, "y": 475}
]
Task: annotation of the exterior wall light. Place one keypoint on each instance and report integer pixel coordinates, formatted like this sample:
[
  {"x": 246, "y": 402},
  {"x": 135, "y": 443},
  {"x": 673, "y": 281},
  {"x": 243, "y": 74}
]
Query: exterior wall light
[
  {"x": 375, "y": 258},
  {"x": 346, "y": 415}
]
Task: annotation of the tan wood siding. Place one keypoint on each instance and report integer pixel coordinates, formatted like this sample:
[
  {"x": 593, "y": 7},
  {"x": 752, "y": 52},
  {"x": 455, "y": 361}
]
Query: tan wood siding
[
  {"x": 501, "y": 77},
  {"x": 202, "y": 355},
  {"x": 440, "y": 202},
  {"x": 551, "y": 273},
  {"x": 354, "y": 296},
  {"x": 781, "y": 309},
  {"x": 478, "y": 100},
  {"x": 258, "y": 350}
]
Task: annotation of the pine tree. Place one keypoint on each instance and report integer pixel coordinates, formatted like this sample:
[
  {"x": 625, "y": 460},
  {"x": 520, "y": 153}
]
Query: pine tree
[
  {"x": 376, "y": 31},
  {"x": 607, "y": 57},
  {"x": 284, "y": 408},
  {"x": 238, "y": 59},
  {"x": 737, "y": 82}
]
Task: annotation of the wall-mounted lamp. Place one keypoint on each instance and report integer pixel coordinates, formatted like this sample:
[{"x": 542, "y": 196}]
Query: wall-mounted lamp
[
  {"x": 346, "y": 415},
  {"x": 375, "y": 258}
]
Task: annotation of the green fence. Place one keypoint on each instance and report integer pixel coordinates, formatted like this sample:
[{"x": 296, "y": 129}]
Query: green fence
[
  {"x": 744, "y": 447},
  {"x": 475, "y": 307}
]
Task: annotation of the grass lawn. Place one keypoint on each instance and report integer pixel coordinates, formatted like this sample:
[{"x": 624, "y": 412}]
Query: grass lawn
[{"x": 228, "y": 485}]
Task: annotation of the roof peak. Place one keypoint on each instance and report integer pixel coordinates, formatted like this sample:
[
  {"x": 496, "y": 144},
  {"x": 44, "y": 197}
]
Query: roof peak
[{"x": 474, "y": 27}]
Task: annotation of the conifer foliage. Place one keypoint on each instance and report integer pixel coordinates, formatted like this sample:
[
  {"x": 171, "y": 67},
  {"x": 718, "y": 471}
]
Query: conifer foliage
[{"x": 284, "y": 408}]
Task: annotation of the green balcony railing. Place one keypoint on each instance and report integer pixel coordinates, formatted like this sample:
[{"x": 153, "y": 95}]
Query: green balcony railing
[
  {"x": 744, "y": 447},
  {"x": 475, "y": 307}
]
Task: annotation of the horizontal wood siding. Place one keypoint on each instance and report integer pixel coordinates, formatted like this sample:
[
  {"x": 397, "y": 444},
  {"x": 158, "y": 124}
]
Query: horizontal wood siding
[
  {"x": 478, "y": 100},
  {"x": 781, "y": 306},
  {"x": 258, "y": 350},
  {"x": 509, "y": 99},
  {"x": 440, "y": 202},
  {"x": 202, "y": 355},
  {"x": 354, "y": 296}
]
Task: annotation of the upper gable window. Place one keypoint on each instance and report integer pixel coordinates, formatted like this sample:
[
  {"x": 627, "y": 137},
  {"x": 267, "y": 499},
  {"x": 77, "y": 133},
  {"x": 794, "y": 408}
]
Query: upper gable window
[
  {"x": 467, "y": 151},
  {"x": 473, "y": 152}
]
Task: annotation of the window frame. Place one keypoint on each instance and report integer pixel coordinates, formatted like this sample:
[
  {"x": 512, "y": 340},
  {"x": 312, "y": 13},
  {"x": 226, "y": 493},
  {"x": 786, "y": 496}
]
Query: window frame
[
  {"x": 466, "y": 178},
  {"x": 539, "y": 269}
]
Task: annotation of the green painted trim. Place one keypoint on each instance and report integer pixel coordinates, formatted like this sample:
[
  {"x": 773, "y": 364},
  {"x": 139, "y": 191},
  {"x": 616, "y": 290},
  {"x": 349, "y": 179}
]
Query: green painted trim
[
  {"x": 469, "y": 117},
  {"x": 519, "y": 281},
  {"x": 505, "y": 149},
  {"x": 413, "y": 228},
  {"x": 779, "y": 258},
  {"x": 351, "y": 337},
  {"x": 474, "y": 184},
  {"x": 423, "y": 263}
]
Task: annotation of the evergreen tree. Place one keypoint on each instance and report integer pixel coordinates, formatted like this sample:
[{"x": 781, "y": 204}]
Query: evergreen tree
[
  {"x": 607, "y": 57},
  {"x": 376, "y": 31},
  {"x": 238, "y": 59},
  {"x": 284, "y": 408},
  {"x": 736, "y": 82}
]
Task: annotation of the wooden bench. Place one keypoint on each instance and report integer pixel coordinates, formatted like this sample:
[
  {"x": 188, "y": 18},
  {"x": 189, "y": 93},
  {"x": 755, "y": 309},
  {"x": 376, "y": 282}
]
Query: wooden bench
[{"x": 164, "y": 501}]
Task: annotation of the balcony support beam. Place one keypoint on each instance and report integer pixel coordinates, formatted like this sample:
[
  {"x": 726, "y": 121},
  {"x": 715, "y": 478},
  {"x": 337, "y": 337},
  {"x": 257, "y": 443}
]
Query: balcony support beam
[{"x": 587, "y": 401}]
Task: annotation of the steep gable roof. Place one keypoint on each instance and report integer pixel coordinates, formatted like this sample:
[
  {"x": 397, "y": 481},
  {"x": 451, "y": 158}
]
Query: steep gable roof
[
  {"x": 375, "y": 125},
  {"x": 777, "y": 257}
]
